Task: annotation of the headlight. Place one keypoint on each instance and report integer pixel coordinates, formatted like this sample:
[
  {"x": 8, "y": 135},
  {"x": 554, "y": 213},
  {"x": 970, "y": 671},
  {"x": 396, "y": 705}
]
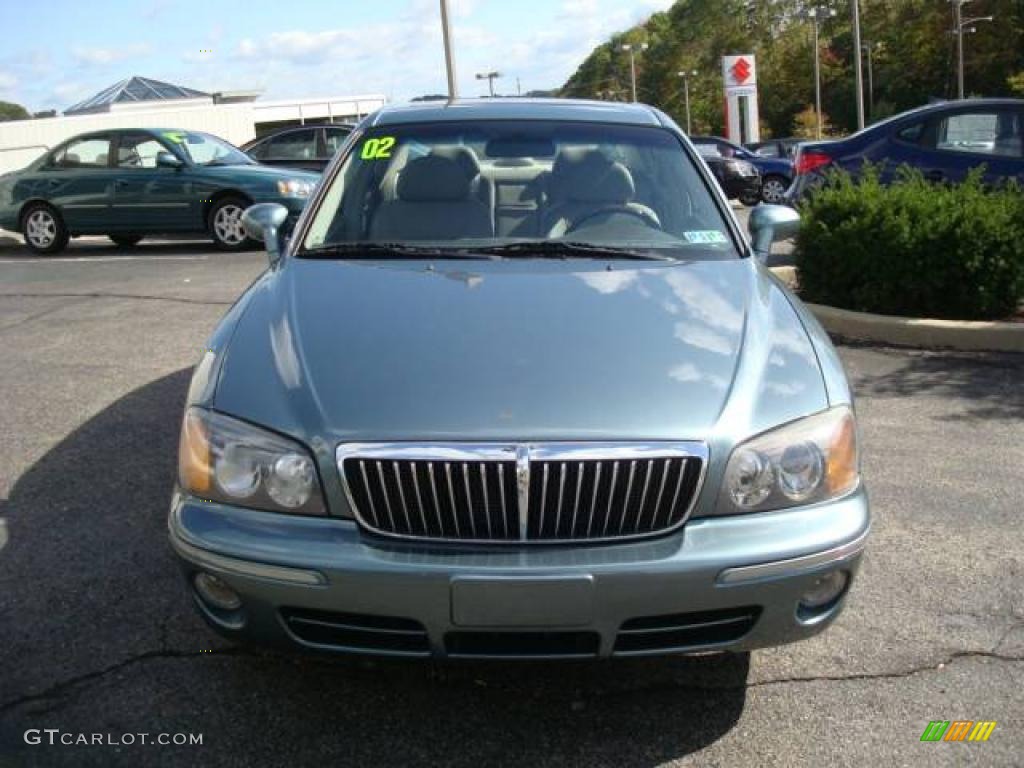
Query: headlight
[
  {"x": 806, "y": 461},
  {"x": 295, "y": 188},
  {"x": 224, "y": 459}
]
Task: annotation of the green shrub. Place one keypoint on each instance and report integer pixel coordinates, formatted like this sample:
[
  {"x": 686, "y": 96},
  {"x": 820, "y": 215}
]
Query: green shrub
[{"x": 912, "y": 247}]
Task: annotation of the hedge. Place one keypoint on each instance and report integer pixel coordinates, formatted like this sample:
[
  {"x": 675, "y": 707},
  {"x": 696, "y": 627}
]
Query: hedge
[{"x": 913, "y": 247}]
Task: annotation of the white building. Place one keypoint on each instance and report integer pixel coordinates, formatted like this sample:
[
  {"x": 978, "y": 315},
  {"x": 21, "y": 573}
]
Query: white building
[{"x": 143, "y": 103}]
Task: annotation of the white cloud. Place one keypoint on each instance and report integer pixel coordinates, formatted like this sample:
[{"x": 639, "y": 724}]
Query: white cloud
[
  {"x": 8, "y": 82},
  {"x": 85, "y": 55}
]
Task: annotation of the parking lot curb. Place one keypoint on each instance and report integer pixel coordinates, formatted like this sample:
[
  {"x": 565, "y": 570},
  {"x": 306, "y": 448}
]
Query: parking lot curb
[{"x": 967, "y": 335}]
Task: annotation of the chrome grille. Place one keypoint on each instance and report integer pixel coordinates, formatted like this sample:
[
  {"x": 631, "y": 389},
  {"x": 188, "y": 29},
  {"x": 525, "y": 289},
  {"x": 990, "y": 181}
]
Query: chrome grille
[{"x": 549, "y": 492}]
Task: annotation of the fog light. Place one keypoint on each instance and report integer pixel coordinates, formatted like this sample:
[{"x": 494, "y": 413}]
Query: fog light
[
  {"x": 825, "y": 589},
  {"x": 216, "y": 593}
]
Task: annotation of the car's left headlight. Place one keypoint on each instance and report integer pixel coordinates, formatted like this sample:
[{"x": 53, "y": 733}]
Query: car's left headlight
[
  {"x": 226, "y": 460},
  {"x": 804, "y": 462},
  {"x": 295, "y": 188}
]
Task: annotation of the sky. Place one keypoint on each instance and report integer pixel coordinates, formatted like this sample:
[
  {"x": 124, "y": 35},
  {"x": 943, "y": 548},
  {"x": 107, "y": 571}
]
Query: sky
[{"x": 298, "y": 48}]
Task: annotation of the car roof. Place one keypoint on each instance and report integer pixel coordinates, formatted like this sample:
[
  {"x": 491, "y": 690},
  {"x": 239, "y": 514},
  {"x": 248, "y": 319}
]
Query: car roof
[{"x": 517, "y": 109}]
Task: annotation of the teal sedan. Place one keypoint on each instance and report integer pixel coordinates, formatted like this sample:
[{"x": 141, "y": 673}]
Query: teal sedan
[{"x": 129, "y": 183}]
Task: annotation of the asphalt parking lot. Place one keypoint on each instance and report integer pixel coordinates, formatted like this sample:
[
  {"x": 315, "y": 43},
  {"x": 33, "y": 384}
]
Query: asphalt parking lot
[{"x": 97, "y": 634}]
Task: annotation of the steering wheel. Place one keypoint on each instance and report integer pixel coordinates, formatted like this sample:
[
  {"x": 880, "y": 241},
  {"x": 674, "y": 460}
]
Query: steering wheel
[{"x": 644, "y": 216}]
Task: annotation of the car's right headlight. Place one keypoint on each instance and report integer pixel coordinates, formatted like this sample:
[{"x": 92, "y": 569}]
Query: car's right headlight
[
  {"x": 227, "y": 460},
  {"x": 804, "y": 462}
]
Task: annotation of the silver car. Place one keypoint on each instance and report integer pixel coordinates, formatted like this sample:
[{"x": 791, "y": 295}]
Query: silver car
[{"x": 517, "y": 385}]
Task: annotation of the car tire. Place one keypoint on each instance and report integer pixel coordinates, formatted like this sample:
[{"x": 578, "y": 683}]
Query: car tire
[
  {"x": 43, "y": 229},
  {"x": 773, "y": 189},
  {"x": 224, "y": 223},
  {"x": 125, "y": 241},
  {"x": 750, "y": 199}
]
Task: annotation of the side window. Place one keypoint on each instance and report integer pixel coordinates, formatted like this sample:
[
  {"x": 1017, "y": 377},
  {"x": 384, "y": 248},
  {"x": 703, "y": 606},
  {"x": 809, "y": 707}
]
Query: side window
[
  {"x": 294, "y": 145},
  {"x": 87, "y": 153},
  {"x": 138, "y": 150},
  {"x": 768, "y": 150},
  {"x": 988, "y": 133},
  {"x": 335, "y": 138},
  {"x": 259, "y": 152},
  {"x": 911, "y": 134}
]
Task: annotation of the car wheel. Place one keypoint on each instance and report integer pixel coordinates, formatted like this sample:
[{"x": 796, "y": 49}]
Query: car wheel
[
  {"x": 125, "y": 241},
  {"x": 44, "y": 229},
  {"x": 773, "y": 190},
  {"x": 225, "y": 225},
  {"x": 750, "y": 199}
]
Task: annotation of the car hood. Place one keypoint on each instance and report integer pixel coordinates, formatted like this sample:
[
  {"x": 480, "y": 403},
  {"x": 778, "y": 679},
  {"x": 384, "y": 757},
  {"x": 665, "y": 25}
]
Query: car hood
[
  {"x": 329, "y": 351},
  {"x": 258, "y": 172}
]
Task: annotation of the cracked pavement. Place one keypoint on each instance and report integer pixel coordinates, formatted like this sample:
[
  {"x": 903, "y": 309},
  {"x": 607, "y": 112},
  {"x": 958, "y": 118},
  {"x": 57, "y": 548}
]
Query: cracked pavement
[{"x": 97, "y": 634}]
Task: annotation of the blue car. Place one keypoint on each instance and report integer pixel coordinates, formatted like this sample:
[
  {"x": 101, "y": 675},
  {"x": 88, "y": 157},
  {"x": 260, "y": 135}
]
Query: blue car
[
  {"x": 776, "y": 172},
  {"x": 944, "y": 141}
]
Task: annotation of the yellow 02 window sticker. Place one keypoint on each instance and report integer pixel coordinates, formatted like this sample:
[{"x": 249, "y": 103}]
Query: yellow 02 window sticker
[{"x": 378, "y": 149}]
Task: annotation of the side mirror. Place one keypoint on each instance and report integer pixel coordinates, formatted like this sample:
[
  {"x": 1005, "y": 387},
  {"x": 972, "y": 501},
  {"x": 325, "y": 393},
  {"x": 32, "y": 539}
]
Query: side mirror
[
  {"x": 264, "y": 221},
  {"x": 770, "y": 224},
  {"x": 167, "y": 160}
]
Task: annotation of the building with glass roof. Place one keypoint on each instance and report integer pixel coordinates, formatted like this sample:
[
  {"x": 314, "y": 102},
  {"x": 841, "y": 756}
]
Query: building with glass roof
[{"x": 134, "y": 91}]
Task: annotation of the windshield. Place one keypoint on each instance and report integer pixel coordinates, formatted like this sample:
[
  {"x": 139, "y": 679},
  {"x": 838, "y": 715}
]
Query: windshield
[
  {"x": 519, "y": 188},
  {"x": 204, "y": 149}
]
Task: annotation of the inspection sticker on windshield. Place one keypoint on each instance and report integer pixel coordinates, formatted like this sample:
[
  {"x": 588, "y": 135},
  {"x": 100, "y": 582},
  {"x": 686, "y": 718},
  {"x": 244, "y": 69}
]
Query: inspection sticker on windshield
[
  {"x": 176, "y": 136},
  {"x": 705, "y": 237}
]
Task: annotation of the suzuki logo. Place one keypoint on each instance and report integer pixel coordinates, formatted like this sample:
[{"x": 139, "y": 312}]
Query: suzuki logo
[{"x": 741, "y": 71}]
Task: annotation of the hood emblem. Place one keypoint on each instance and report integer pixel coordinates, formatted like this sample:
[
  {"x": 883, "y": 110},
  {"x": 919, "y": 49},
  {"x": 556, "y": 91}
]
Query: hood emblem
[{"x": 523, "y": 487}]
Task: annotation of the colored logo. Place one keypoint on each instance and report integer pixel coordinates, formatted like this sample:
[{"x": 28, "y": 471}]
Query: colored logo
[
  {"x": 741, "y": 71},
  {"x": 958, "y": 730}
]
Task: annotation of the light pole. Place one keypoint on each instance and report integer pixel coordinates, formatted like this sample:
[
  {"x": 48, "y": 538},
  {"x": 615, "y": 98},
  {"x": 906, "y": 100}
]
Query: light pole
[
  {"x": 815, "y": 14},
  {"x": 489, "y": 77},
  {"x": 686, "y": 75},
  {"x": 868, "y": 48},
  {"x": 961, "y": 25},
  {"x": 857, "y": 68},
  {"x": 449, "y": 56},
  {"x": 632, "y": 62}
]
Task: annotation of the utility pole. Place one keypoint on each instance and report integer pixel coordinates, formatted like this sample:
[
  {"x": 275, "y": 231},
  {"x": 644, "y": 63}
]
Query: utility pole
[
  {"x": 961, "y": 25},
  {"x": 857, "y": 69},
  {"x": 489, "y": 77},
  {"x": 632, "y": 63},
  {"x": 686, "y": 75},
  {"x": 814, "y": 14},
  {"x": 449, "y": 55}
]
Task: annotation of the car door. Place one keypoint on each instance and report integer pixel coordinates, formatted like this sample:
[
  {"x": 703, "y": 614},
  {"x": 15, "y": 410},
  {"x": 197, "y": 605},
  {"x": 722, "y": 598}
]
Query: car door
[
  {"x": 959, "y": 140},
  {"x": 292, "y": 149},
  {"x": 148, "y": 197},
  {"x": 78, "y": 181}
]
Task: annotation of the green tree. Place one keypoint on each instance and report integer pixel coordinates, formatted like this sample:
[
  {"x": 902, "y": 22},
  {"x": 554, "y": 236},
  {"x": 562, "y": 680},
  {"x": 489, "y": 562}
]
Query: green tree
[
  {"x": 9, "y": 111},
  {"x": 913, "y": 58}
]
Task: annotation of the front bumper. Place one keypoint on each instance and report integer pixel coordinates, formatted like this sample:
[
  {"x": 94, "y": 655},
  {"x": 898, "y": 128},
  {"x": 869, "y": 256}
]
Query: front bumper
[{"x": 720, "y": 583}]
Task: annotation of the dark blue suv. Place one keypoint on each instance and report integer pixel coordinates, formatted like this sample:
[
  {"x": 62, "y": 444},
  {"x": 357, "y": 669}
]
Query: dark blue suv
[
  {"x": 776, "y": 172},
  {"x": 944, "y": 141}
]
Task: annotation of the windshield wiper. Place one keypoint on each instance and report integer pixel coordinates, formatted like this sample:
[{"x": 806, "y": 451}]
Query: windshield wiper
[
  {"x": 569, "y": 249},
  {"x": 373, "y": 250}
]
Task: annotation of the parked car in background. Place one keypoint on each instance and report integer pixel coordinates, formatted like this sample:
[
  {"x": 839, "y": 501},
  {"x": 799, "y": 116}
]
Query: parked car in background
[
  {"x": 128, "y": 183},
  {"x": 739, "y": 179},
  {"x": 309, "y": 147},
  {"x": 945, "y": 141},
  {"x": 518, "y": 386},
  {"x": 784, "y": 148},
  {"x": 776, "y": 173}
]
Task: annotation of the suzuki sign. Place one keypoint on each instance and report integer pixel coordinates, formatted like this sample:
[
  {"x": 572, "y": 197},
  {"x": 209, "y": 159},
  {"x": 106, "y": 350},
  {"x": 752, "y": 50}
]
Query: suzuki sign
[{"x": 741, "y": 115}]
